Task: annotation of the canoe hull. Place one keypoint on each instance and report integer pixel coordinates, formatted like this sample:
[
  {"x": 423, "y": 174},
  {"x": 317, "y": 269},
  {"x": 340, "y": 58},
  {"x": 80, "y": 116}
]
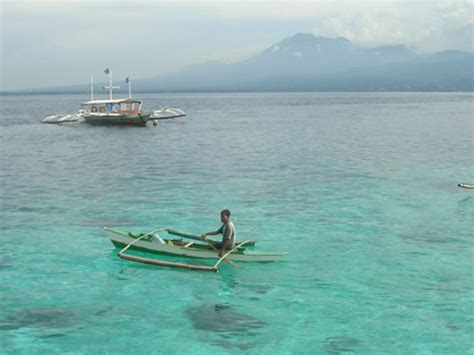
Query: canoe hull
[{"x": 121, "y": 238}]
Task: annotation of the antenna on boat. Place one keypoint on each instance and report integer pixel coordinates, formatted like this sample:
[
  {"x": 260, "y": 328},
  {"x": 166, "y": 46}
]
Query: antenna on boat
[
  {"x": 110, "y": 87},
  {"x": 92, "y": 88},
  {"x": 127, "y": 80}
]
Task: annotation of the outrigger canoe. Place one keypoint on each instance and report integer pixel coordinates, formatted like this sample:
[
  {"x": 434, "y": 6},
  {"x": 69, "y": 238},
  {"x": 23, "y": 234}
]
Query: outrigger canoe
[{"x": 155, "y": 244}]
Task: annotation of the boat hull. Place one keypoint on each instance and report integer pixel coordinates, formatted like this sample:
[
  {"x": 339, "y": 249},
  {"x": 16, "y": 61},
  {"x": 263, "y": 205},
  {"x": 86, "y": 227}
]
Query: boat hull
[
  {"x": 117, "y": 119},
  {"x": 122, "y": 238}
]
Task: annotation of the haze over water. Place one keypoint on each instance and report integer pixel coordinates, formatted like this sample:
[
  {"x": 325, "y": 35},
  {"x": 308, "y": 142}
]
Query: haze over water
[{"x": 359, "y": 189}]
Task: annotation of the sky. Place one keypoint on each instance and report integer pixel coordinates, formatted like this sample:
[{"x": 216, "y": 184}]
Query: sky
[{"x": 56, "y": 43}]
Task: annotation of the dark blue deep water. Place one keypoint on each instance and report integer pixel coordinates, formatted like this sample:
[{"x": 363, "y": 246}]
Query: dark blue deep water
[{"x": 359, "y": 188}]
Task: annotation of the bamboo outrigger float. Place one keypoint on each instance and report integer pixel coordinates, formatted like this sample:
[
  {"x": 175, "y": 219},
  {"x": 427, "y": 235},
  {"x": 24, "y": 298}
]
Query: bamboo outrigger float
[
  {"x": 152, "y": 243},
  {"x": 466, "y": 186}
]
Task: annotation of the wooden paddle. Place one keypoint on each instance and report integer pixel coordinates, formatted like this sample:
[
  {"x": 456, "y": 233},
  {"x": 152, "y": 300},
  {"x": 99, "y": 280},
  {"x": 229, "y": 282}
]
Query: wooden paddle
[
  {"x": 194, "y": 236},
  {"x": 230, "y": 262}
]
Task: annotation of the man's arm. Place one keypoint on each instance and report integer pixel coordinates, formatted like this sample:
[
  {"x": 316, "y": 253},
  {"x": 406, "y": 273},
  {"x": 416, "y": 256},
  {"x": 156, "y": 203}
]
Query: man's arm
[{"x": 216, "y": 232}]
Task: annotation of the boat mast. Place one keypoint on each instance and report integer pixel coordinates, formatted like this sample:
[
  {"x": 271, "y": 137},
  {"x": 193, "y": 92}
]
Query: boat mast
[
  {"x": 127, "y": 80},
  {"x": 110, "y": 87},
  {"x": 92, "y": 88}
]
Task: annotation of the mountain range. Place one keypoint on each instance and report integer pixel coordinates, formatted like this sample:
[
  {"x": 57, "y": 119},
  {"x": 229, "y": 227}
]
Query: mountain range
[{"x": 305, "y": 62}]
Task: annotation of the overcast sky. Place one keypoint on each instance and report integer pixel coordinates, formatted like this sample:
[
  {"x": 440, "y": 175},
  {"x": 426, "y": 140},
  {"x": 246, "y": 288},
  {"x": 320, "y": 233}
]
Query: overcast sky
[{"x": 51, "y": 43}]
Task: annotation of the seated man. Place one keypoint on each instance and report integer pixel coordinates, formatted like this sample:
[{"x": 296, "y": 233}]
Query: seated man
[{"x": 229, "y": 235}]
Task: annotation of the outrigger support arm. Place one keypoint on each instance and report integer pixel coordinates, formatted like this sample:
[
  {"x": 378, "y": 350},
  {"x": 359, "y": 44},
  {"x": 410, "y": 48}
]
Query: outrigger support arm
[
  {"x": 230, "y": 252},
  {"x": 143, "y": 236},
  {"x": 230, "y": 262}
]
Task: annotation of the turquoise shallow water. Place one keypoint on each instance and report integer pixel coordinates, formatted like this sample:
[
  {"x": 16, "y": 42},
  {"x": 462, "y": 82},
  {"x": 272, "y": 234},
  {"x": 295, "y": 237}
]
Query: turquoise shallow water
[{"x": 359, "y": 189}]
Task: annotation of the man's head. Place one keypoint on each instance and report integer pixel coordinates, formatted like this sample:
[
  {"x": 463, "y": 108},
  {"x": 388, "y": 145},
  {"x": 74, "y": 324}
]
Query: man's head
[{"x": 225, "y": 216}]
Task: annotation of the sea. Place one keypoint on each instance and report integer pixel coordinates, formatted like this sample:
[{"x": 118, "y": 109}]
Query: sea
[{"x": 360, "y": 189}]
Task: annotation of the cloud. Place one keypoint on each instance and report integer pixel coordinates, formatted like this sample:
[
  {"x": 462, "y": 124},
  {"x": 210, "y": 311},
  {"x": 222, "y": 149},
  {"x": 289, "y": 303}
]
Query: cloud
[
  {"x": 423, "y": 25},
  {"x": 149, "y": 38}
]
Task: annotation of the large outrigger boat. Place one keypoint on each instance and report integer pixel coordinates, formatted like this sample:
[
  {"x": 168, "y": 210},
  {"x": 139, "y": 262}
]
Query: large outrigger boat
[
  {"x": 126, "y": 111},
  {"x": 117, "y": 112},
  {"x": 155, "y": 244}
]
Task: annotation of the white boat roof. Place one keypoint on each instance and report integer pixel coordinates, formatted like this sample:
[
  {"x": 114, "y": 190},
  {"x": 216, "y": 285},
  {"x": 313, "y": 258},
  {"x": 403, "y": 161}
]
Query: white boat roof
[{"x": 108, "y": 101}]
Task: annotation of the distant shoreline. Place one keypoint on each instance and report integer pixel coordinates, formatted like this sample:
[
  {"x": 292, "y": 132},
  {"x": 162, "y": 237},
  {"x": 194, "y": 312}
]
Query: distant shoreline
[{"x": 39, "y": 93}]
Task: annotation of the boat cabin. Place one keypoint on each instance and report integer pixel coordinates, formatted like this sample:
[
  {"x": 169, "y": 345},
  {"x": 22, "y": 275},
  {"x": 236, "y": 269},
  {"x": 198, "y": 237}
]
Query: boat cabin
[{"x": 119, "y": 106}]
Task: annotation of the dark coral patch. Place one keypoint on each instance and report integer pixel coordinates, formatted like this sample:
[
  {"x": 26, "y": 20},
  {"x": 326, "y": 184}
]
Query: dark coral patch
[
  {"x": 221, "y": 319},
  {"x": 340, "y": 344}
]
